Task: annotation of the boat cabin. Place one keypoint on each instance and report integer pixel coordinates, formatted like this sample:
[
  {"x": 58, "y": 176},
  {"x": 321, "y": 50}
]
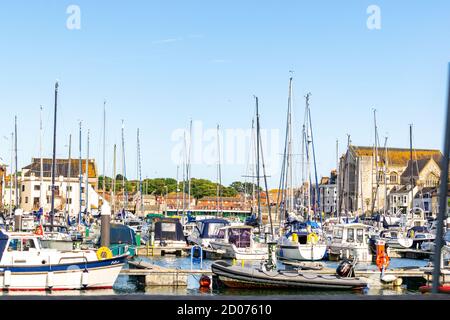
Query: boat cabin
[
  {"x": 240, "y": 236},
  {"x": 205, "y": 230},
  {"x": 168, "y": 231},
  {"x": 352, "y": 233}
]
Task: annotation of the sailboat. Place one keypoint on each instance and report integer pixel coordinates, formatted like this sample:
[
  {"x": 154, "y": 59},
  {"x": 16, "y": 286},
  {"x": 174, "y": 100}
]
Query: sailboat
[{"x": 302, "y": 241}]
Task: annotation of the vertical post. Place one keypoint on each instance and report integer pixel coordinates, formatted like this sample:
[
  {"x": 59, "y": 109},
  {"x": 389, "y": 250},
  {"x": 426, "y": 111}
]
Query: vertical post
[
  {"x": 104, "y": 150},
  {"x": 124, "y": 193},
  {"x": 11, "y": 175},
  {"x": 69, "y": 176},
  {"x": 257, "y": 166},
  {"x": 52, "y": 212},
  {"x": 443, "y": 189},
  {"x": 113, "y": 198},
  {"x": 337, "y": 178},
  {"x": 105, "y": 219}
]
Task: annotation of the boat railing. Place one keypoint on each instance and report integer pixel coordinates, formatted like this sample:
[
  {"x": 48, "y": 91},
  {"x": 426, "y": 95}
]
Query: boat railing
[{"x": 76, "y": 257}]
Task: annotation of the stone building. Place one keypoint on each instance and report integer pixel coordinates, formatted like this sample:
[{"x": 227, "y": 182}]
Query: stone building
[
  {"x": 328, "y": 194},
  {"x": 359, "y": 175}
]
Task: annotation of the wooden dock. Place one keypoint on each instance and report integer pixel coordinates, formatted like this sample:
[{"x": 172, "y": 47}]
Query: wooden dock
[
  {"x": 410, "y": 254},
  {"x": 154, "y": 275}
]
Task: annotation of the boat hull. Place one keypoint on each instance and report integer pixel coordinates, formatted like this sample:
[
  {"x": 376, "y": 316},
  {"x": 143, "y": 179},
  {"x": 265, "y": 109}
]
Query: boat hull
[
  {"x": 71, "y": 276},
  {"x": 231, "y": 252},
  {"x": 238, "y": 277},
  {"x": 302, "y": 252}
]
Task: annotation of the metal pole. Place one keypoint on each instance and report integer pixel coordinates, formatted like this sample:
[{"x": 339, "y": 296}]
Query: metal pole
[
  {"x": 80, "y": 177},
  {"x": 113, "y": 198},
  {"x": 104, "y": 150},
  {"x": 10, "y": 175},
  {"x": 69, "y": 176},
  {"x": 257, "y": 166},
  {"x": 15, "y": 165},
  {"x": 52, "y": 212},
  {"x": 443, "y": 189},
  {"x": 41, "y": 184},
  {"x": 87, "y": 175}
]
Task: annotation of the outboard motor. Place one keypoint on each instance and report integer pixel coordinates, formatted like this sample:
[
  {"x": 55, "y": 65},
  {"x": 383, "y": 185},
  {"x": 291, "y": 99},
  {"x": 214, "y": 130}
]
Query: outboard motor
[{"x": 345, "y": 269}]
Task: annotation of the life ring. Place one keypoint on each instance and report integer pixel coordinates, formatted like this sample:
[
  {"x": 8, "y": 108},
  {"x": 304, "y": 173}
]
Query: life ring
[
  {"x": 312, "y": 238},
  {"x": 104, "y": 253},
  {"x": 39, "y": 231}
]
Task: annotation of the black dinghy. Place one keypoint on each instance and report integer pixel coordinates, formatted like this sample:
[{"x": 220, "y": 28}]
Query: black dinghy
[{"x": 239, "y": 277}]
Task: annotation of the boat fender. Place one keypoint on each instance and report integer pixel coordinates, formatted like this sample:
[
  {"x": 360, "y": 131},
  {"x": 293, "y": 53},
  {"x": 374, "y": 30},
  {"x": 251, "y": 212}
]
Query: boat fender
[
  {"x": 7, "y": 278},
  {"x": 312, "y": 238},
  {"x": 50, "y": 280},
  {"x": 85, "y": 278},
  {"x": 294, "y": 237},
  {"x": 104, "y": 253},
  {"x": 382, "y": 260},
  {"x": 411, "y": 234},
  {"x": 39, "y": 230}
]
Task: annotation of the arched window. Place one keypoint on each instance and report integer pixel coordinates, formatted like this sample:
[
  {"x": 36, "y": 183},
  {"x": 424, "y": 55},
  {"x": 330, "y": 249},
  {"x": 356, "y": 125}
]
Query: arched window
[
  {"x": 431, "y": 180},
  {"x": 393, "y": 177}
]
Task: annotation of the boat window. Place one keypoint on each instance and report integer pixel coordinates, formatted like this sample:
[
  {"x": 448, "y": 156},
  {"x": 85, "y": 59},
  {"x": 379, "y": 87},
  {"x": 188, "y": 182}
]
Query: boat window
[
  {"x": 14, "y": 245},
  {"x": 213, "y": 228},
  {"x": 220, "y": 234},
  {"x": 239, "y": 237},
  {"x": 350, "y": 235},
  {"x": 28, "y": 244},
  {"x": 168, "y": 227},
  {"x": 360, "y": 235},
  {"x": 337, "y": 233}
]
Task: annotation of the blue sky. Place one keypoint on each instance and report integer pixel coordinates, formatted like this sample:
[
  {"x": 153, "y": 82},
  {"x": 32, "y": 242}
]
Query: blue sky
[{"x": 161, "y": 63}]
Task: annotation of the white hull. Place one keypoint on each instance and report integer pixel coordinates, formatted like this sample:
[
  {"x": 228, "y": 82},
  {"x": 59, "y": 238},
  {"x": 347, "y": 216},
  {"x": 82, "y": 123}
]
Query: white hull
[
  {"x": 232, "y": 252},
  {"x": 362, "y": 253},
  {"x": 302, "y": 252},
  {"x": 399, "y": 243},
  {"x": 98, "y": 278}
]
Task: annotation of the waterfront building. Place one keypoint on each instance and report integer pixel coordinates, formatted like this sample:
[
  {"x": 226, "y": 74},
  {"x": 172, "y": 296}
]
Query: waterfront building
[
  {"x": 67, "y": 192},
  {"x": 328, "y": 194},
  {"x": 359, "y": 175}
]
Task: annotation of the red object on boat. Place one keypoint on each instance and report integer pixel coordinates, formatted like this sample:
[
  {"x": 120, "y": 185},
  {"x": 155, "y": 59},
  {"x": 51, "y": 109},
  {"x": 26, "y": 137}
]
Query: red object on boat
[
  {"x": 441, "y": 289},
  {"x": 205, "y": 281}
]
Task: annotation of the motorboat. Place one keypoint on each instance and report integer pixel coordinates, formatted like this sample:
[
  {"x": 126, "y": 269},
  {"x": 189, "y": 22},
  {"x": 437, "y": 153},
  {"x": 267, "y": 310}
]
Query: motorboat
[
  {"x": 167, "y": 232},
  {"x": 237, "y": 243},
  {"x": 25, "y": 265},
  {"x": 234, "y": 276},
  {"x": 350, "y": 241},
  {"x": 419, "y": 235},
  {"x": 302, "y": 243},
  {"x": 206, "y": 230},
  {"x": 396, "y": 238},
  {"x": 56, "y": 237}
]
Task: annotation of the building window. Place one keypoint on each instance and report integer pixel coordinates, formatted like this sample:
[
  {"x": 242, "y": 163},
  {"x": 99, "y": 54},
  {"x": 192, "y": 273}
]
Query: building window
[
  {"x": 23, "y": 188},
  {"x": 69, "y": 188},
  {"x": 26, "y": 199},
  {"x": 37, "y": 187},
  {"x": 393, "y": 177}
]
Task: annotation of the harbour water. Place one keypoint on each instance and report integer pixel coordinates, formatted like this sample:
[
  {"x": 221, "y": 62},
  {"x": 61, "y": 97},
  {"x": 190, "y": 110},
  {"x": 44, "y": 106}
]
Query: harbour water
[{"x": 128, "y": 285}]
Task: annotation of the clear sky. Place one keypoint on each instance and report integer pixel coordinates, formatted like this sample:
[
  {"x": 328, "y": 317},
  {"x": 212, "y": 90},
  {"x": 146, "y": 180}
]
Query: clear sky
[{"x": 161, "y": 63}]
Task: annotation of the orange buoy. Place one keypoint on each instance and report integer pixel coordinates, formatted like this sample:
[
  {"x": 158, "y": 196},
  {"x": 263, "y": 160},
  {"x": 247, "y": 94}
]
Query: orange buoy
[
  {"x": 382, "y": 260},
  {"x": 205, "y": 281}
]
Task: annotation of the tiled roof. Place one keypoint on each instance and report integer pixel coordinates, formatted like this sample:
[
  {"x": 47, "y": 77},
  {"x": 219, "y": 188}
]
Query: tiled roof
[
  {"x": 62, "y": 167},
  {"x": 398, "y": 156}
]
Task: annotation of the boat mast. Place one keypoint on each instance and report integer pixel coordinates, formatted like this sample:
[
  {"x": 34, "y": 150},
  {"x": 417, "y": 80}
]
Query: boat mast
[
  {"x": 385, "y": 178},
  {"x": 15, "y": 165},
  {"x": 87, "y": 206},
  {"x": 257, "y": 166},
  {"x": 267, "y": 191},
  {"x": 375, "y": 196},
  {"x": 80, "y": 176},
  {"x": 69, "y": 176},
  {"x": 104, "y": 151},
  {"x": 10, "y": 175},
  {"x": 184, "y": 172},
  {"x": 219, "y": 178},
  {"x": 124, "y": 192},
  {"x": 411, "y": 178},
  {"x": 289, "y": 162},
  {"x": 189, "y": 166},
  {"x": 52, "y": 212},
  {"x": 113, "y": 196},
  {"x": 139, "y": 172},
  {"x": 336, "y": 206},
  {"x": 347, "y": 200},
  {"x": 41, "y": 183},
  {"x": 178, "y": 190}
]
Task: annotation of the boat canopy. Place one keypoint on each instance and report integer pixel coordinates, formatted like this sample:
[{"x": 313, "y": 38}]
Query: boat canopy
[
  {"x": 3, "y": 242},
  {"x": 121, "y": 234},
  {"x": 209, "y": 227},
  {"x": 169, "y": 229}
]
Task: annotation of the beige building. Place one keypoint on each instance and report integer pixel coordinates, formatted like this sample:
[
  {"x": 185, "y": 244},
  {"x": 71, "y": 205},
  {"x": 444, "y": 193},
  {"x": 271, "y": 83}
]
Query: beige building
[
  {"x": 359, "y": 174},
  {"x": 67, "y": 187}
]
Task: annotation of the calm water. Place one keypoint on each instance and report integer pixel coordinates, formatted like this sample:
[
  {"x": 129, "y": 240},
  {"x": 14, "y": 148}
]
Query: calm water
[{"x": 126, "y": 285}]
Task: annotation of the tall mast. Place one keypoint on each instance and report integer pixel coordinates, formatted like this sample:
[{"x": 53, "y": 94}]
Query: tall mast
[
  {"x": 375, "y": 197},
  {"x": 80, "y": 177},
  {"x": 139, "y": 172},
  {"x": 113, "y": 196},
  {"x": 336, "y": 206},
  {"x": 16, "y": 191},
  {"x": 257, "y": 165},
  {"x": 52, "y": 212},
  {"x": 125, "y": 194},
  {"x": 308, "y": 153},
  {"x": 189, "y": 166},
  {"x": 411, "y": 178},
  {"x": 290, "y": 164},
  {"x": 347, "y": 205},
  {"x": 218, "y": 173},
  {"x": 104, "y": 150},
  {"x": 178, "y": 190},
  {"x": 10, "y": 175},
  {"x": 87, "y": 176},
  {"x": 385, "y": 173},
  {"x": 184, "y": 172},
  {"x": 69, "y": 176},
  {"x": 41, "y": 200}
]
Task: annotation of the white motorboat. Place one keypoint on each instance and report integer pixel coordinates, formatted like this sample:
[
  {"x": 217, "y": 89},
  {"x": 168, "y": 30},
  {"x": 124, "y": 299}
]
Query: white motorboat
[
  {"x": 301, "y": 246},
  {"x": 205, "y": 231},
  {"x": 25, "y": 265},
  {"x": 396, "y": 238},
  {"x": 237, "y": 243},
  {"x": 350, "y": 241}
]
